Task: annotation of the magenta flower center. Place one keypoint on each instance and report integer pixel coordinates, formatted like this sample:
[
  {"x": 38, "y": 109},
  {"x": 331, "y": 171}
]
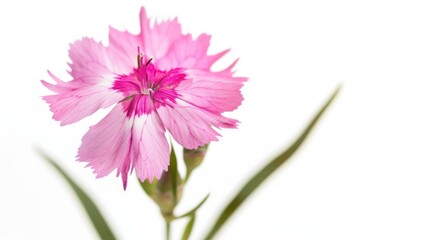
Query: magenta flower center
[{"x": 147, "y": 88}]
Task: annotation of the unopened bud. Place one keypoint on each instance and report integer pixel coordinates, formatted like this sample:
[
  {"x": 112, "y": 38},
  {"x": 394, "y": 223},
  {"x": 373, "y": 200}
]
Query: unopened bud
[
  {"x": 161, "y": 192},
  {"x": 194, "y": 158}
]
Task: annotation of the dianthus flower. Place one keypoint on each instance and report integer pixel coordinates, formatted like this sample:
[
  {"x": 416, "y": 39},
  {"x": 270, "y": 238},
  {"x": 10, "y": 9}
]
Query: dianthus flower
[{"x": 159, "y": 79}]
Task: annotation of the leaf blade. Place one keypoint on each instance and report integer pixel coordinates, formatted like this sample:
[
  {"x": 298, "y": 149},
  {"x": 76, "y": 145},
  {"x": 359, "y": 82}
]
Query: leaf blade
[
  {"x": 194, "y": 210},
  {"x": 94, "y": 214},
  {"x": 188, "y": 229},
  {"x": 266, "y": 171}
]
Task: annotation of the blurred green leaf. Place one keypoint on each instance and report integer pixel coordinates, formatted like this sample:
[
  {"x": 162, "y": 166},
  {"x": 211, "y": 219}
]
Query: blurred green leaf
[
  {"x": 194, "y": 210},
  {"x": 266, "y": 171},
  {"x": 91, "y": 209},
  {"x": 188, "y": 229},
  {"x": 174, "y": 173}
]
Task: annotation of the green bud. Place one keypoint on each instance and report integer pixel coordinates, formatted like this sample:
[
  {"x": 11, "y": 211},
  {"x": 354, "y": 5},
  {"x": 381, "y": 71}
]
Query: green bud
[
  {"x": 194, "y": 158},
  {"x": 149, "y": 187},
  {"x": 160, "y": 191}
]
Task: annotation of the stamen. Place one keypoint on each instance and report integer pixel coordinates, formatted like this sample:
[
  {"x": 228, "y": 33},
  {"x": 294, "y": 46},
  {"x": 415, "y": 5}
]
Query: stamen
[
  {"x": 139, "y": 57},
  {"x": 150, "y": 60}
]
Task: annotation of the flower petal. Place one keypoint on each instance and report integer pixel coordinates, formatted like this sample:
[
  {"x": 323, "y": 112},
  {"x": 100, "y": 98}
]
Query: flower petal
[
  {"x": 151, "y": 149},
  {"x": 157, "y": 40},
  {"x": 91, "y": 62},
  {"x": 192, "y": 126},
  {"x": 123, "y": 48},
  {"x": 215, "y": 92},
  {"x": 75, "y": 100},
  {"x": 186, "y": 52},
  {"x": 122, "y": 143},
  {"x": 90, "y": 88},
  {"x": 154, "y": 42}
]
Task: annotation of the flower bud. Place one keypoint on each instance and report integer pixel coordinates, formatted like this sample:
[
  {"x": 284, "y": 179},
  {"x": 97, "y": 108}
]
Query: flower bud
[
  {"x": 194, "y": 158},
  {"x": 160, "y": 191}
]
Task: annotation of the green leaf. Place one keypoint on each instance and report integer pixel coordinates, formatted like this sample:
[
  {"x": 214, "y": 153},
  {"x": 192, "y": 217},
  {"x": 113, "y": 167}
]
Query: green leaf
[
  {"x": 91, "y": 209},
  {"x": 174, "y": 174},
  {"x": 266, "y": 171},
  {"x": 194, "y": 210},
  {"x": 188, "y": 229}
]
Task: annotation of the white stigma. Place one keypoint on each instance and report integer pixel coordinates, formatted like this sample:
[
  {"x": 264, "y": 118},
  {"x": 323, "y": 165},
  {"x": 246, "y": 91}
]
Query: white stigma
[{"x": 148, "y": 91}]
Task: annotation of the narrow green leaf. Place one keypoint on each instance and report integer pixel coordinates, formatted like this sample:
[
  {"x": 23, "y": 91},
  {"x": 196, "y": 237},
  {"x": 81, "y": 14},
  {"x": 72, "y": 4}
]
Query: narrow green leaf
[
  {"x": 91, "y": 209},
  {"x": 174, "y": 174},
  {"x": 266, "y": 171},
  {"x": 188, "y": 229},
  {"x": 194, "y": 210}
]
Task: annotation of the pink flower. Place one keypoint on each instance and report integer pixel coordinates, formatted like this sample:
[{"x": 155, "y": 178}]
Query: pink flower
[{"x": 168, "y": 86}]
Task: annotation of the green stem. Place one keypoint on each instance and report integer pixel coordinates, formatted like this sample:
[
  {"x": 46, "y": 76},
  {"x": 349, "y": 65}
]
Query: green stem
[
  {"x": 167, "y": 229},
  {"x": 188, "y": 174}
]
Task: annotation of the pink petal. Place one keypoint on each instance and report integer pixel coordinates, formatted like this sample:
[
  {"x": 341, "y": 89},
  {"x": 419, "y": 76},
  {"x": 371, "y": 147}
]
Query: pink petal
[
  {"x": 157, "y": 40},
  {"x": 151, "y": 149},
  {"x": 123, "y": 48},
  {"x": 90, "y": 88},
  {"x": 215, "y": 92},
  {"x": 122, "y": 143},
  {"x": 75, "y": 100},
  {"x": 192, "y": 126},
  {"x": 91, "y": 62},
  {"x": 154, "y": 42},
  {"x": 186, "y": 52}
]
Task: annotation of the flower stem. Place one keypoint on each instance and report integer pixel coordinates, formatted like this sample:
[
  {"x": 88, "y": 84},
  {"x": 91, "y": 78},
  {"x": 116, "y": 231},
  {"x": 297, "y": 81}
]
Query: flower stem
[
  {"x": 167, "y": 229},
  {"x": 188, "y": 174}
]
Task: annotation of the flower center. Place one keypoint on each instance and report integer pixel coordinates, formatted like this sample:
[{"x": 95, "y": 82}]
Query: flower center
[
  {"x": 146, "y": 88},
  {"x": 148, "y": 91}
]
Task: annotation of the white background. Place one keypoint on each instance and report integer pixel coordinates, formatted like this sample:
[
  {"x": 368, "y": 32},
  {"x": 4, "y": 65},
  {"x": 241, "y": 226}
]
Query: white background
[{"x": 362, "y": 174}]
